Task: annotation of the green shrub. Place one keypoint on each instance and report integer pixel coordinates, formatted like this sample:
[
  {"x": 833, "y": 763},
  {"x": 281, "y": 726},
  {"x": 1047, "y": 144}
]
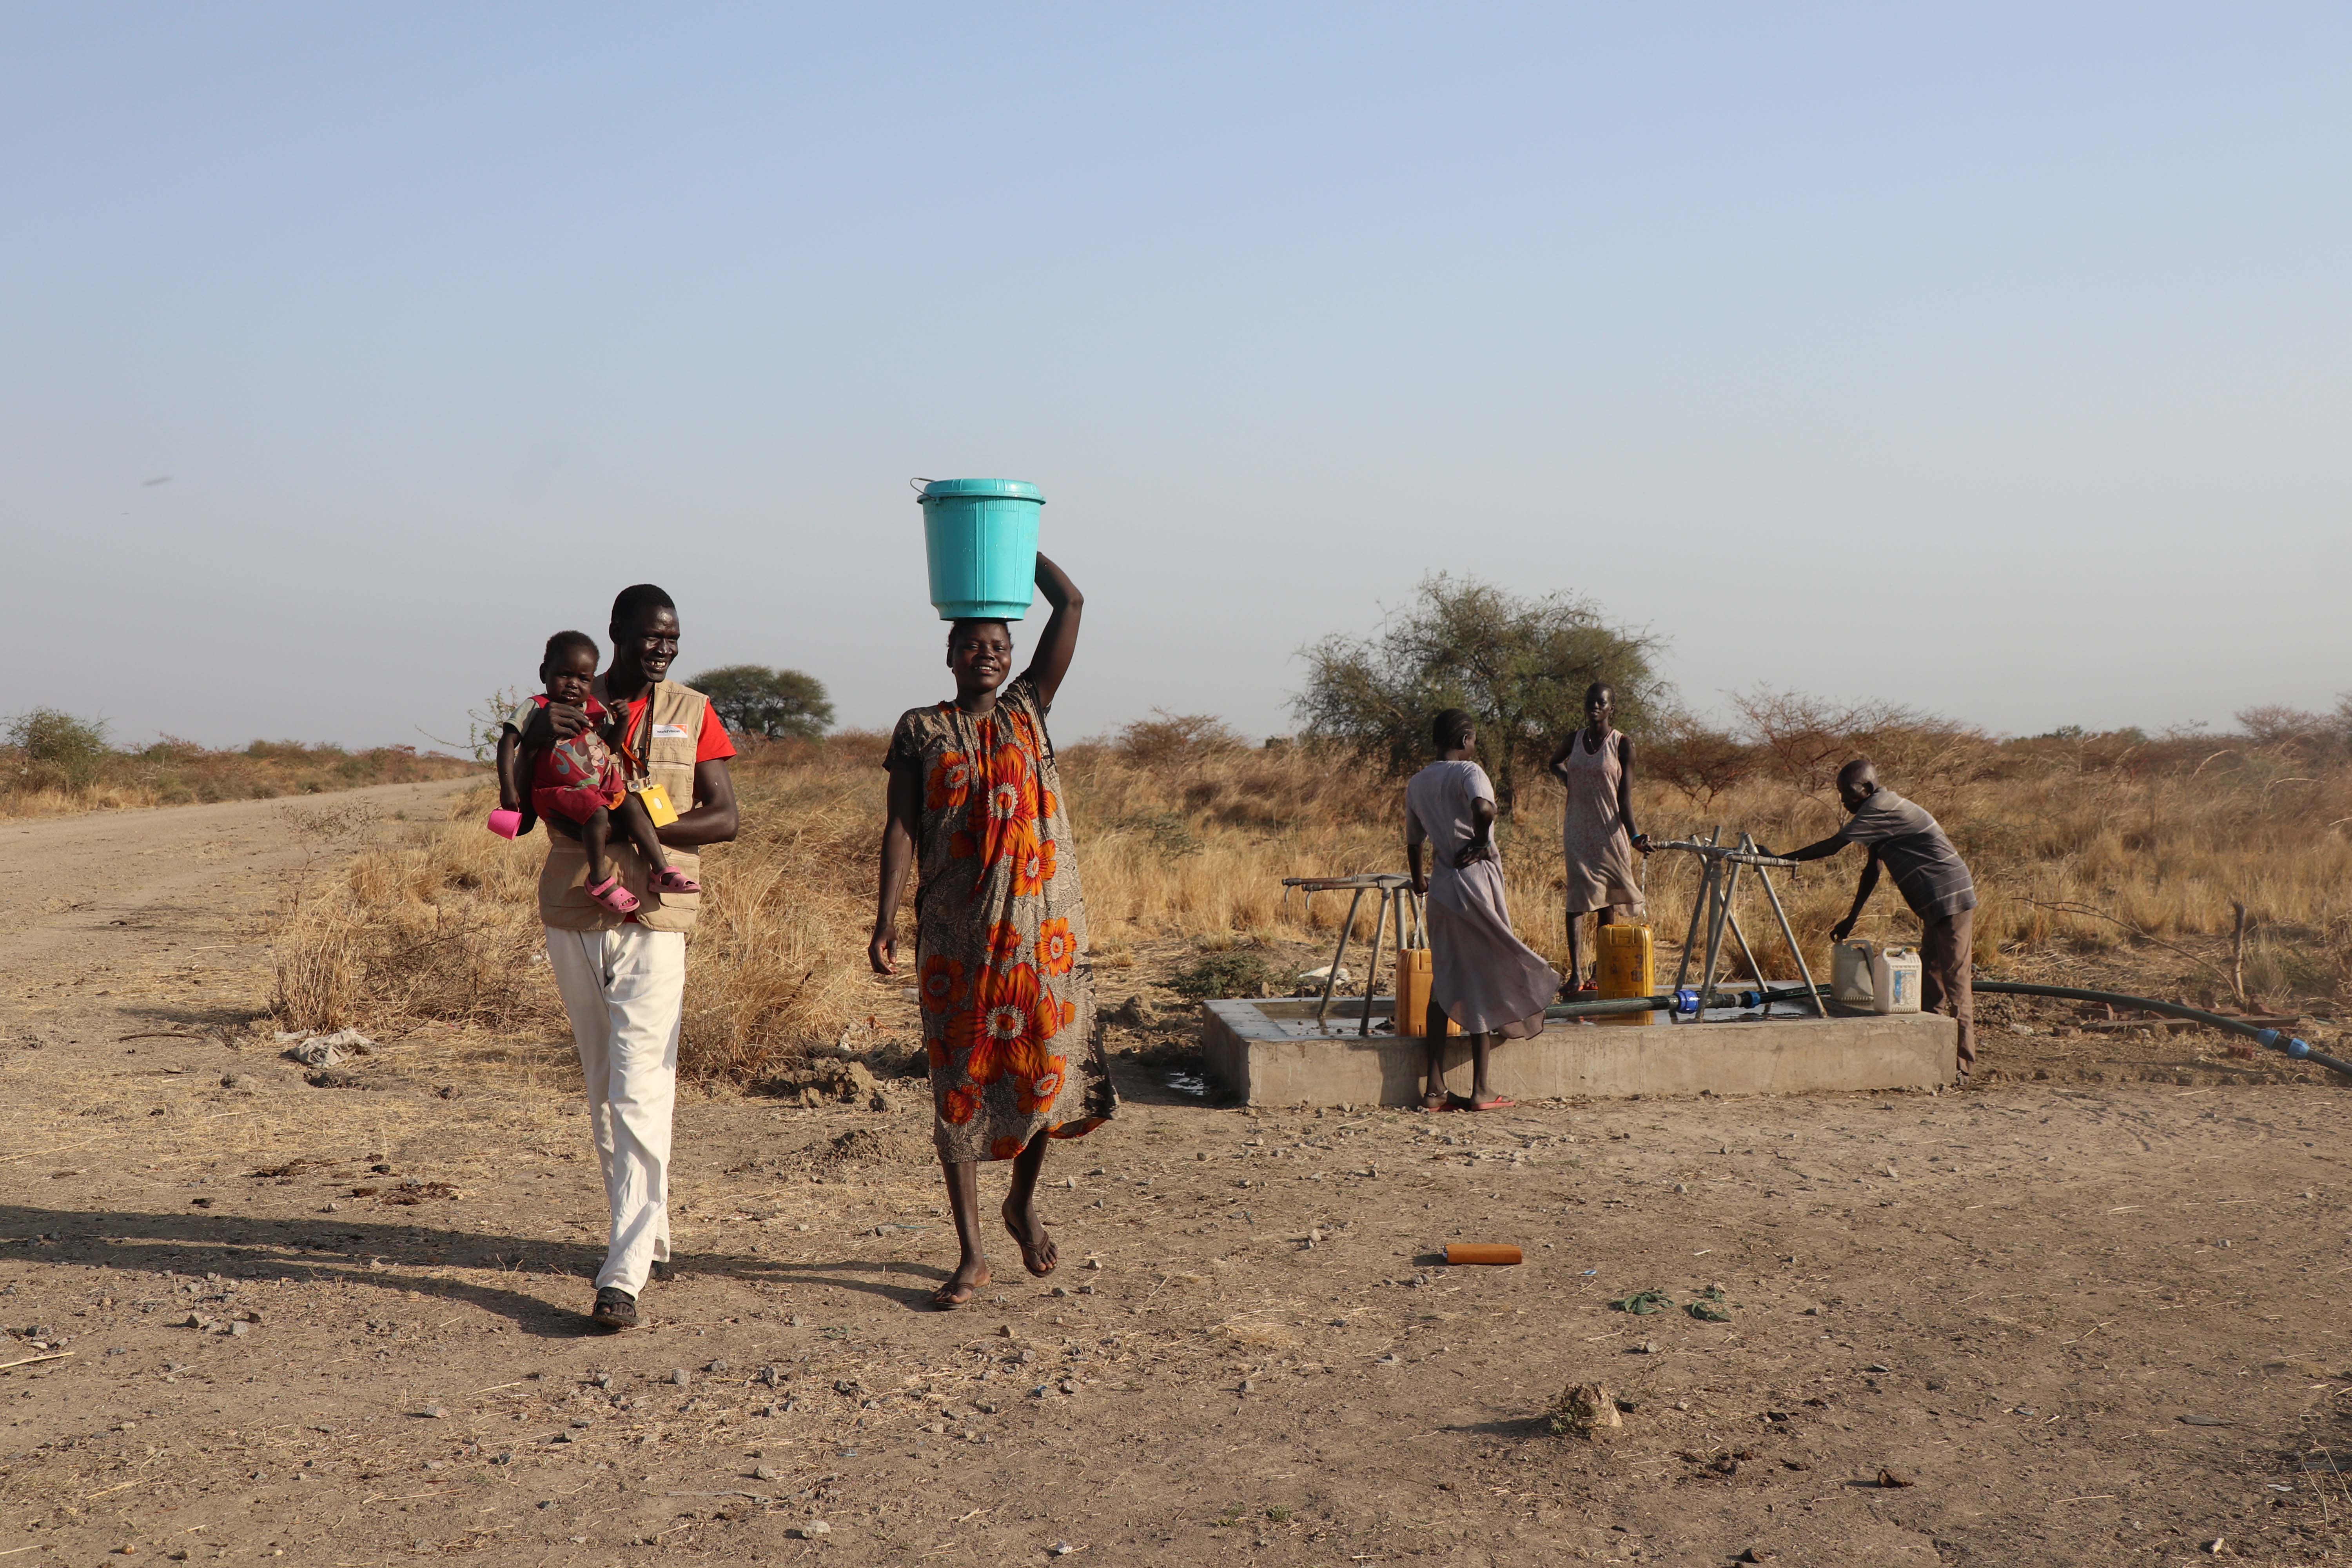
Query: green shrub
[
  {"x": 1237, "y": 973},
  {"x": 1169, "y": 832},
  {"x": 60, "y": 750}
]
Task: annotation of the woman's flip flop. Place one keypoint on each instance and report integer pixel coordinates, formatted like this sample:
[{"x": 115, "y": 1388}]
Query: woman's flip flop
[
  {"x": 1041, "y": 1259},
  {"x": 1463, "y": 1102},
  {"x": 949, "y": 1295}
]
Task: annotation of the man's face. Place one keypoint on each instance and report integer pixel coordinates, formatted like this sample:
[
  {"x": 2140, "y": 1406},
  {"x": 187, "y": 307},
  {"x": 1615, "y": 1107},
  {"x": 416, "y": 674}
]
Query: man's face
[
  {"x": 1855, "y": 792},
  {"x": 1598, "y": 708},
  {"x": 651, "y": 644}
]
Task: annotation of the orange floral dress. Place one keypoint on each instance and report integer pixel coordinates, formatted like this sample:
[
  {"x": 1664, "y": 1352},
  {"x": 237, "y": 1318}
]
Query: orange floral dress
[{"x": 1000, "y": 931}]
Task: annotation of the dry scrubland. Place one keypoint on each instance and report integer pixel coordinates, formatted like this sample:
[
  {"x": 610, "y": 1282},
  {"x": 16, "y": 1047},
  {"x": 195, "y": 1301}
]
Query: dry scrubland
[
  {"x": 267, "y": 1313},
  {"x": 2097, "y": 856},
  {"x": 54, "y": 765}
]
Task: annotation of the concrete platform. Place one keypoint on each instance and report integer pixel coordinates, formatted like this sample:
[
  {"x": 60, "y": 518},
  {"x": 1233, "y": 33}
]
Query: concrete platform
[{"x": 1271, "y": 1052}]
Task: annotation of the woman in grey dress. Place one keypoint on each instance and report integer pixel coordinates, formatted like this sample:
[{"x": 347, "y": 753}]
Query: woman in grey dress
[
  {"x": 1482, "y": 977},
  {"x": 1597, "y": 835}
]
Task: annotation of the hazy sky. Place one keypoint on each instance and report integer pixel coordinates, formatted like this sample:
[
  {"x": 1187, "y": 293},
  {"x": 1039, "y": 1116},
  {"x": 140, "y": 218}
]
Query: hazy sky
[{"x": 1997, "y": 360}]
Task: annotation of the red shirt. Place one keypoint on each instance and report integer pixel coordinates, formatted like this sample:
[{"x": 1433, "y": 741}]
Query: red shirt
[{"x": 711, "y": 745}]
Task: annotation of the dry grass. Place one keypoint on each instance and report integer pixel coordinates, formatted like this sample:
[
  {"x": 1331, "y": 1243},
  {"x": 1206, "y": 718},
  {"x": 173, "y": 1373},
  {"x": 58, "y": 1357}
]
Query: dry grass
[
  {"x": 2080, "y": 847},
  {"x": 2087, "y": 864},
  {"x": 2092, "y": 850},
  {"x": 441, "y": 926},
  {"x": 433, "y": 927},
  {"x": 180, "y": 773}
]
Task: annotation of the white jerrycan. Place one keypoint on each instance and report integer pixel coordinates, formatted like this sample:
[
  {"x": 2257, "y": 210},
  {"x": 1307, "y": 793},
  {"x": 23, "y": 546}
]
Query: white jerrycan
[
  {"x": 1850, "y": 981},
  {"x": 1894, "y": 980}
]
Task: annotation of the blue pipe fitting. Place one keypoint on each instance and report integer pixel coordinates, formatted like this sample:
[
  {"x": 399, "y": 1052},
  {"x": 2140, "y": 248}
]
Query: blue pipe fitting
[
  {"x": 1686, "y": 1002},
  {"x": 2272, "y": 1039}
]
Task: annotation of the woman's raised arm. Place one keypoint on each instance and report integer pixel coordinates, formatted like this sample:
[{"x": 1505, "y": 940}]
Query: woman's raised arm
[{"x": 1061, "y": 639}]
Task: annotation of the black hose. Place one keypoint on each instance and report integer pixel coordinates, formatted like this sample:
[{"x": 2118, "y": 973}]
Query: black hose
[
  {"x": 1665, "y": 1003},
  {"x": 2270, "y": 1039}
]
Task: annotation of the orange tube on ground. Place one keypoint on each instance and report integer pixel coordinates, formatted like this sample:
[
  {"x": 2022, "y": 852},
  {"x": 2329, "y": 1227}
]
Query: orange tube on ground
[{"x": 1480, "y": 1252}]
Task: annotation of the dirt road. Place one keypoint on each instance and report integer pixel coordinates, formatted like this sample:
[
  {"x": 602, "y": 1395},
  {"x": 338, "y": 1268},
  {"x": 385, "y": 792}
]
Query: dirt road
[{"x": 340, "y": 1324}]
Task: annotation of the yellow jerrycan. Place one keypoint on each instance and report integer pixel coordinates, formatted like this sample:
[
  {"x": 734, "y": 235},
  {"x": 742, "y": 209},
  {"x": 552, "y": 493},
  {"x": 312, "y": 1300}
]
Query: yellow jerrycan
[
  {"x": 1412, "y": 980},
  {"x": 1628, "y": 968}
]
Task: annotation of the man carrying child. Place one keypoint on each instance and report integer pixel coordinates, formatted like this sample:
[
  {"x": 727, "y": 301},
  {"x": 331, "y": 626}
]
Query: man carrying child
[{"x": 622, "y": 977}]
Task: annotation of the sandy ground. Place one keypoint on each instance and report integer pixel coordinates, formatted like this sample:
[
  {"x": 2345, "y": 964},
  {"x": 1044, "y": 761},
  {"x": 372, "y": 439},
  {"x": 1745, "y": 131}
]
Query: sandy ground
[{"x": 2084, "y": 1319}]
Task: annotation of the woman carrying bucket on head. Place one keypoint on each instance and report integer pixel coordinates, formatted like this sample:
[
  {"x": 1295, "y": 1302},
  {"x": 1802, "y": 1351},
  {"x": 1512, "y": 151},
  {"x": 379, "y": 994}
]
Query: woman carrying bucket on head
[{"x": 975, "y": 809}]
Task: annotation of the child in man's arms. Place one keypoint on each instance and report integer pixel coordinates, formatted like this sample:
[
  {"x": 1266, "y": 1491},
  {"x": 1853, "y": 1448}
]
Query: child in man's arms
[{"x": 580, "y": 780}]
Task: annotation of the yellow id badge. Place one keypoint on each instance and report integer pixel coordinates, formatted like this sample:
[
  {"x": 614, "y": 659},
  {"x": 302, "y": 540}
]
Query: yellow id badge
[{"x": 657, "y": 805}]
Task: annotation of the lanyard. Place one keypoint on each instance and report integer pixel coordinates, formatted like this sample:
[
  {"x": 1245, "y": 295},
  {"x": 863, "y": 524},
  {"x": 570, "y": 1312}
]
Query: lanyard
[{"x": 625, "y": 742}]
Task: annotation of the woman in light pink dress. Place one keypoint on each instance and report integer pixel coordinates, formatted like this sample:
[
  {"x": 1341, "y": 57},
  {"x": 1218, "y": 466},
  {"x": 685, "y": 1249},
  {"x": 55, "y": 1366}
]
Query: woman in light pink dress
[{"x": 1482, "y": 976}]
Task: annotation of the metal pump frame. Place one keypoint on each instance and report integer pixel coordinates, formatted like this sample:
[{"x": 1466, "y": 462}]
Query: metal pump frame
[
  {"x": 1389, "y": 888},
  {"x": 1718, "y": 883}
]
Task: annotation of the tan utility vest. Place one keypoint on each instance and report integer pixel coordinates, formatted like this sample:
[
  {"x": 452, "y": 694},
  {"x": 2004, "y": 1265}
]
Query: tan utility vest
[{"x": 669, "y": 742}]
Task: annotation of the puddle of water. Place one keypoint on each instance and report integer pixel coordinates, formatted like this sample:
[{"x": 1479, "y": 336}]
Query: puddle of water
[
  {"x": 1749, "y": 1014},
  {"x": 1193, "y": 1084}
]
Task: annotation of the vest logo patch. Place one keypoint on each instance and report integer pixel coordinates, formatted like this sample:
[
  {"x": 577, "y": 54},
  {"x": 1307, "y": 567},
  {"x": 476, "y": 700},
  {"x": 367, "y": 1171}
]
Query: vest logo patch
[{"x": 671, "y": 732}]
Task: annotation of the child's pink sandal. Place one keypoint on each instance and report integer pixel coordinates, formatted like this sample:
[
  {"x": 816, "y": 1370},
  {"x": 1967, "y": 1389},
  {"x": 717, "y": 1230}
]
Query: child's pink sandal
[
  {"x": 612, "y": 895},
  {"x": 673, "y": 881}
]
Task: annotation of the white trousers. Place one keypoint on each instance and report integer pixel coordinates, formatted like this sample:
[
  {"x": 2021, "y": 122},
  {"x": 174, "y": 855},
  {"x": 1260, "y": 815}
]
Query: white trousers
[{"x": 624, "y": 991}]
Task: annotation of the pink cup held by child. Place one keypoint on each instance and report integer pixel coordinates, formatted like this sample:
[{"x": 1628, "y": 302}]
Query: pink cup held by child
[{"x": 505, "y": 824}]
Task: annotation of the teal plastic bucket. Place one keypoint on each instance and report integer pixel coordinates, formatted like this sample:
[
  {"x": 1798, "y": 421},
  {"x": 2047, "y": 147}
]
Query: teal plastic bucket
[{"x": 980, "y": 538}]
